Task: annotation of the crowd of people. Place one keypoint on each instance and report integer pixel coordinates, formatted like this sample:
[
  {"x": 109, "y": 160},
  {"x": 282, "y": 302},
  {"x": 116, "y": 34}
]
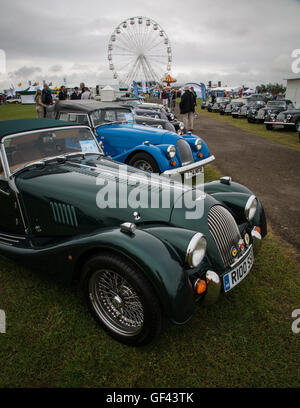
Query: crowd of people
[{"x": 43, "y": 98}]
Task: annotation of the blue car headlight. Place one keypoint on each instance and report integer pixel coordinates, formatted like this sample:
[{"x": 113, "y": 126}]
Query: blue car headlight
[
  {"x": 171, "y": 151},
  {"x": 198, "y": 144}
]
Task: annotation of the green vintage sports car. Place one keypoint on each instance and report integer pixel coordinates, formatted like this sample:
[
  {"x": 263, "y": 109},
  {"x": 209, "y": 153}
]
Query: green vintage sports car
[{"x": 138, "y": 264}]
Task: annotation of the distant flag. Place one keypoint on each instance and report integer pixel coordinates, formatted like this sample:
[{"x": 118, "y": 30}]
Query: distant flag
[
  {"x": 135, "y": 89},
  {"x": 29, "y": 83},
  {"x": 19, "y": 84}
]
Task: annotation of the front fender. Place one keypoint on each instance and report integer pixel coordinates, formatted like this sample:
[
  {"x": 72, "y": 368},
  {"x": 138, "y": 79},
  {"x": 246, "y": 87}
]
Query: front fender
[
  {"x": 204, "y": 149},
  {"x": 221, "y": 192},
  {"x": 156, "y": 151},
  {"x": 159, "y": 263}
]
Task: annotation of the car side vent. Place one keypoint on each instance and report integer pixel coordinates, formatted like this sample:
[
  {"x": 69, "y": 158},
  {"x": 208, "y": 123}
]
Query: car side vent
[{"x": 64, "y": 214}]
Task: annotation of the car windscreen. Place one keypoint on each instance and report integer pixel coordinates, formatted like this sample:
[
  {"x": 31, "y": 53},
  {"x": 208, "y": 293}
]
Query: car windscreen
[
  {"x": 150, "y": 114},
  {"x": 275, "y": 104},
  {"x": 28, "y": 148},
  {"x": 111, "y": 115}
]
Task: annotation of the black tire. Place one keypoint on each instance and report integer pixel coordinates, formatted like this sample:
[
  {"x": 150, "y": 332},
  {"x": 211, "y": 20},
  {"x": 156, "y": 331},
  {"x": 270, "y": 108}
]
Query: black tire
[
  {"x": 250, "y": 120},
  {"x": 109, "y": 306},
  {"x": 144, "y": 161},
  {"x": 269, "y": 127}
]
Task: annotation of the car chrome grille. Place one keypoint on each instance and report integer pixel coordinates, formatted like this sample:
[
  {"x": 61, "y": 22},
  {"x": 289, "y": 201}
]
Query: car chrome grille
[
  {"x": 225, "y": 232},
  {"x": 64, "y": 214},
  {"x": 185, "y": 152},
  {"x": 280, "y": 117}
]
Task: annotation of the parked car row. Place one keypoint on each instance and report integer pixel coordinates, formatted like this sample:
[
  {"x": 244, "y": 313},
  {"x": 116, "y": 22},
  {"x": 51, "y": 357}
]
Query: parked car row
[
  {"x": 137, "y": 266},
  {"x": 274, "y": 113}
]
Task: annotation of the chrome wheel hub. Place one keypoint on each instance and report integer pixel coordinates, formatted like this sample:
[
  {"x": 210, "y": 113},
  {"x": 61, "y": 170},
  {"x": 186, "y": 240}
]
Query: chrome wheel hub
[
  {"x": 143, "y": 165},
  {"x": 116, "y": 302}
]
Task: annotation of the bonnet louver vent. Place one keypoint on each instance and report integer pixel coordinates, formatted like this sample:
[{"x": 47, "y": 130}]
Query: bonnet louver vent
[{"x": 64, "y": 214}]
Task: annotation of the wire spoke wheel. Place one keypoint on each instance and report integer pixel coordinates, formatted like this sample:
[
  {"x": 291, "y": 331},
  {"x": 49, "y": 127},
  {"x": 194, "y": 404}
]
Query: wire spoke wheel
[
  {"x": 143, "y": 165},
  {"x": 116, "y": 302},
  {"x": 139, "y": 50}
]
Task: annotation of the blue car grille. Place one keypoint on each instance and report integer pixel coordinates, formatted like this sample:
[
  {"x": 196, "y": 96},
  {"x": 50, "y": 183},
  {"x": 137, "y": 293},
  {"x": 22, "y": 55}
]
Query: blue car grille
[
  {"x": 225, "y": 232},
  {"x": 185, "y": 152}
]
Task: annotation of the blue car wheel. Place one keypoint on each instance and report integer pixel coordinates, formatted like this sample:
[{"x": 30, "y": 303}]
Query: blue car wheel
[{"x": 145, "y": 162}]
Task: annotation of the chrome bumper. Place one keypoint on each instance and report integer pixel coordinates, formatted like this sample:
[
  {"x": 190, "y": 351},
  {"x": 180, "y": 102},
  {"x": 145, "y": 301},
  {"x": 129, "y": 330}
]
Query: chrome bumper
[
  {"x": 257, "y": 241},
  {"x": 280, "y": 123},
  {"x": 213, "y": 288},
  {"x": 189, "y": 167}
]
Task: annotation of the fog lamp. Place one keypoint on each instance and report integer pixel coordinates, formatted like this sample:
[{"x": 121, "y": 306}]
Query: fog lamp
[{"x": 200, "y": 286}]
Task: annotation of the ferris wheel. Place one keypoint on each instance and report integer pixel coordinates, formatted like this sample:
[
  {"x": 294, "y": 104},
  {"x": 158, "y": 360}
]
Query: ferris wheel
[{"x": 139, "y": 50}]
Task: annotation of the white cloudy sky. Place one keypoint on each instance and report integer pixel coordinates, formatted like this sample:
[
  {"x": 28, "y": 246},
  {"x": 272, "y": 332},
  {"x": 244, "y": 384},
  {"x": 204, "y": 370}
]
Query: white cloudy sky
[{"x": 235, "y": 41}]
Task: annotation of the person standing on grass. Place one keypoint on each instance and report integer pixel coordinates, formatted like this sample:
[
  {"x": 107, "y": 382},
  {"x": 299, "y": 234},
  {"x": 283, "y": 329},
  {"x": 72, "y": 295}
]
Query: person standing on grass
[
  {"x": 164, "y": 97},
  {"x": 187, "y": 108},
  {"x": 39, "y": 106},
  {"x": 173, "y": 99},
  {"x": 46, "y": 98}
]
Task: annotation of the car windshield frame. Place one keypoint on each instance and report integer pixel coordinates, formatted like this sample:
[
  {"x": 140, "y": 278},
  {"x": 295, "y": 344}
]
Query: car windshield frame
[
  {"x": 101, "y": 123},
  {"x": 8, "y": 174}
]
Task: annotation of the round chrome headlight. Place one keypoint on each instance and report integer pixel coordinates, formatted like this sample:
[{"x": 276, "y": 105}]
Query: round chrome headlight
[
  {"x": 171, "y": 150},
  {"x": 198, "y": 144},
  {"x": 172, "y": 116},
  {"x": 251, "y": 207},
  {"x": 196, "y": 250},
  {"x": 159, "y": 127},
  {"x": 288, "y": 116},
  {"x": 181, "y": 125}
]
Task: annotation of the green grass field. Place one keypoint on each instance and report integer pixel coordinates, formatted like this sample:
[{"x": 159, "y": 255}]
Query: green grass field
[
  {"x": 285, "y": 137},
  {"x": 245, "y": 340}
]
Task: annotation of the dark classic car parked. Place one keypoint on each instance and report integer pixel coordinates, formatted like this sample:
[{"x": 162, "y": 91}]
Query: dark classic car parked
[
  {"x": 236, "y": 109},
  {"x": 234, "y": 105},
  {"x": 148, "y": 120},
  {"x": 252, "y": 111},
  {"x": 272, "y": 109},
  {"x": 275, "y": 109},
  {"x": 162, "y": 112},
  {"x": 289, "y": 118},
  {"x": 136, "y": 267},
  {"x": 219, "y": 105},
  {"x": 178, "y": 126},
  {"x": 242, "y": 112},
  {"x": 152, "y": 149}
]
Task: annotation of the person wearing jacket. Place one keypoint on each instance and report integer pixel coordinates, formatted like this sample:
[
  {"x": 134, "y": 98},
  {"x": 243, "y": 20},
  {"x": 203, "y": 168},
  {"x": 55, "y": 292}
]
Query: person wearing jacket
[
  {"x": 187, "y": 108},
  {"x": 62, "y": 96},
  {"x": 46, "y": 98}
]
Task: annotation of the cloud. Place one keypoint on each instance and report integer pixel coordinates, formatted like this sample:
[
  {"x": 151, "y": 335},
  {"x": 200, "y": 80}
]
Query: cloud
[{"x": 236, "y": 41}]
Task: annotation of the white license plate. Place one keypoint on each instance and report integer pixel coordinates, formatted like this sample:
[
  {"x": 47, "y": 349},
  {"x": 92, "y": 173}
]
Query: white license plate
[
  {"x": 234, "y": 277},
  {"x": 192, "y": 173}
]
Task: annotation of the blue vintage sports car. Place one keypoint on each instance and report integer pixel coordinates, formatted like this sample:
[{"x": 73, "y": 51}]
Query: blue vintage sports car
[{"x": 147, "y": 148}]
